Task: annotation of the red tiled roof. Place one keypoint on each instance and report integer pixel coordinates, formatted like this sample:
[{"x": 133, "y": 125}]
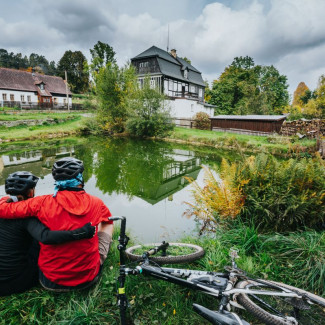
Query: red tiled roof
[{"x": 25, "y": 81}]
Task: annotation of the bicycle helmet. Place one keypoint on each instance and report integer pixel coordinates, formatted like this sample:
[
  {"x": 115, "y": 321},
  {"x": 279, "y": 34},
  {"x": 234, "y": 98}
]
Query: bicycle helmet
[
  {"x": 67, "y": 168},
  {"x": 20, "y": 182}
]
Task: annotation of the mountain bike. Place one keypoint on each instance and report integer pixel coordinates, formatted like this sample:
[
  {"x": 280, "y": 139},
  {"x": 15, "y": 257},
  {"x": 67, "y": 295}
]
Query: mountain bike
[{"x": 270, "y": 302}]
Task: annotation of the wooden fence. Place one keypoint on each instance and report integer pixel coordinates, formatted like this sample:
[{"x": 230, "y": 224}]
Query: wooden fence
[{"x": 41, "y": 106}]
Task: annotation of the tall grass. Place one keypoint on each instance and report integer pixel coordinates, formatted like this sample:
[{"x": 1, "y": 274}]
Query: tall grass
[{"x": 271, "y": 194}]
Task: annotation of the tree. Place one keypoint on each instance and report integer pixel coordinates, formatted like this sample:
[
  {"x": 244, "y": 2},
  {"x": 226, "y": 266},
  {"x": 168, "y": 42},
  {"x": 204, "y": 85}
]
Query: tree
[
  {"x": 113, "y": 86},
  {"x": 149, "y": 113},
  {"x": 299, "y": 93},
  {"x": 246, "y": 88},
  {"x": 12, "y": 60},
  {"x": 101, "y": 54},
  {"x": 308, "y": 95},
  {"x": 186, "y": 59},
  {"x": 73, "y": 63}
]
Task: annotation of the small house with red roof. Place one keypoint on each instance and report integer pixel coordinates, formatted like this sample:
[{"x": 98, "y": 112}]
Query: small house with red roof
[{"x": 27, "y": 90}]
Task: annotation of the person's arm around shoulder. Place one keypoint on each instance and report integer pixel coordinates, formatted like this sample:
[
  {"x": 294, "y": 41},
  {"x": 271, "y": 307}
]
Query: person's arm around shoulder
[
  {"x": 51, "y": 237},
  {"x": 21, "y": 209}
]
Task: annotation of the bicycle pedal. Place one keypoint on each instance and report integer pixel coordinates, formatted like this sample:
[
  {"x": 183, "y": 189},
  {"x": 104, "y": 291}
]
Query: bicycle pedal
[{"x": 298, "y": 303}]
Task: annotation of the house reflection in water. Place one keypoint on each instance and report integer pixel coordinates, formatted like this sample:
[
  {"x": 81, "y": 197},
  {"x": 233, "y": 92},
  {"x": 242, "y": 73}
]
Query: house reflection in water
[
  {"x": 37, "y": 162},
  {"x": 182, "y": 164}
]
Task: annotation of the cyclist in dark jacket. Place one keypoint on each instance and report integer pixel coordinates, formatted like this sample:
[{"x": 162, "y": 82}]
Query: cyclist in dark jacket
[{"x": 19, "y": 238}]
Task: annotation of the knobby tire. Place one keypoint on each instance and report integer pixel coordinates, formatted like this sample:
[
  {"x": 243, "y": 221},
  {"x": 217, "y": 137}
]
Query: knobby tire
[
  {"x": 169, "y": 259},
  {"x": 293, "y": 308}
]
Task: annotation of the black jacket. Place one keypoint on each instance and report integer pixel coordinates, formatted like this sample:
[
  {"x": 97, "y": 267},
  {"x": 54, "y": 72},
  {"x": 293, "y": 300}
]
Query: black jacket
[{"x": 16, "y": 239}]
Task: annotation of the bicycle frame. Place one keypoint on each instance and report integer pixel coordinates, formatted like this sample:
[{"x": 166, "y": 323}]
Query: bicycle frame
[{"x": 174, "y": 275}]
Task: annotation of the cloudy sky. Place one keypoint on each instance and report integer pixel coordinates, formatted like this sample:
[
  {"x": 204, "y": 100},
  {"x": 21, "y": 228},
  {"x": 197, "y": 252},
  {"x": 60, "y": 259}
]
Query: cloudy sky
[{"x": 290, "y": 34}]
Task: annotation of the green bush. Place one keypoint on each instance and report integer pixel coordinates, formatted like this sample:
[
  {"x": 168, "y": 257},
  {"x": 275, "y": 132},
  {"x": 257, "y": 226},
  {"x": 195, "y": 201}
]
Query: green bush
[
  {"x": 89, "y": 104},
  {"x": 159, "y": 126},
  {"x": 149, "y": 115},
  {"x": 202, "y": 121},
  {"x": 283, "y": 195},
  {"x": 91, "y": 126}
]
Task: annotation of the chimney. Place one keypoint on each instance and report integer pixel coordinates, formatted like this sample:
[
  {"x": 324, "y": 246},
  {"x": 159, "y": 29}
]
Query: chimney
[{"x": 173, "y": 53}]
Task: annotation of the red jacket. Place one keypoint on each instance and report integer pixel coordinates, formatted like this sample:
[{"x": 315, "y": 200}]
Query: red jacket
[{"x": 72, "y": 263}]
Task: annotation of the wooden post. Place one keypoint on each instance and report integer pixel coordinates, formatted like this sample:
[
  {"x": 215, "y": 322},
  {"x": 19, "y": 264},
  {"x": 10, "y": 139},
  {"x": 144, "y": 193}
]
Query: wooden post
[{"x": 66, "y": 88}]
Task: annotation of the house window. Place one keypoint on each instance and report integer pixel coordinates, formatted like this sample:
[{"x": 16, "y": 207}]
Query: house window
[
  {"x": 200, "y": 92},
  {"x": 185, "y": 73},
  {"x": 55, "y": 101},
  {"x": 152, "y": 83},
  {"x": 12, "y": 97},
  {"x": 165, "y": 86},
  {"x": 64, "y": 101},
  {"x": 192, "y": 89},
  {"x": 144, "y": 65},
  {"x": 4, "y": 97},
  {"x": 41, "y": 86},
  {"x": 29, "y": 99},
  {"x": 170, "y": 85},
  {"x": 22, "y": 98}
]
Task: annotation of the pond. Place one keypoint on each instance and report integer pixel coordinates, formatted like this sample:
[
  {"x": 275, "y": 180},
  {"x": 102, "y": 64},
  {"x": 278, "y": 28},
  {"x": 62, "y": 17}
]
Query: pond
[{"x": 142, "y": 180}]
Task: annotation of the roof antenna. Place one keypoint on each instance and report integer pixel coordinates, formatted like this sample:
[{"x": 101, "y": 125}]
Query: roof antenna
[{"x": 168, "y": 39}]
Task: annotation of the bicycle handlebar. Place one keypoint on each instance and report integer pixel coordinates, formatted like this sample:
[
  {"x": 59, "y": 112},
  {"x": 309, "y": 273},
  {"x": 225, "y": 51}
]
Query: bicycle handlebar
[{"x": 162, "y": 247}]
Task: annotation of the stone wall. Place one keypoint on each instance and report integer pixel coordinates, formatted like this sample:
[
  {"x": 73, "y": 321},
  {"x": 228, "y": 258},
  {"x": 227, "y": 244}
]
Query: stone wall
[
  {"x": 308, "y": 128},
  {"x": 48, "y": 121}
]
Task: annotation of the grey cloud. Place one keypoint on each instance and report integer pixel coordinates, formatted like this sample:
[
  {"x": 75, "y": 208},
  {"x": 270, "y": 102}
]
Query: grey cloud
[{"x": 210, "y": 33}]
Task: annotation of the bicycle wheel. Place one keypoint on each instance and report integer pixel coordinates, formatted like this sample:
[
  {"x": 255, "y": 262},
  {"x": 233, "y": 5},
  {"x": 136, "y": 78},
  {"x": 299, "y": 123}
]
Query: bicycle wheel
[
  {"x": 176, "y": 253},
  {"x": 275, "y": 310}
]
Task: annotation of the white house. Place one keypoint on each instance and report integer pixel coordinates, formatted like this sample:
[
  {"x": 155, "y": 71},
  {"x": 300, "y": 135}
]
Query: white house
[
  {"x": 175, "y": 77},
  {"x": 27, "y": 90}
]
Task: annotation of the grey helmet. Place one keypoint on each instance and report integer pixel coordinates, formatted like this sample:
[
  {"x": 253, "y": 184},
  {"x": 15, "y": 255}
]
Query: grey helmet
[
  {"x": 19, "y": 183},
  {"x": 67, "y": 168}
]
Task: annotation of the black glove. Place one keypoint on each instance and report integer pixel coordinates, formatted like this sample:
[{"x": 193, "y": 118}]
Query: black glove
[{"x": 87, "y": 231}]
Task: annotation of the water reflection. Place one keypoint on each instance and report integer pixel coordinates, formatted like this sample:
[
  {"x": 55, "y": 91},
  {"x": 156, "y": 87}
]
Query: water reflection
[{"x": 143, "y": 180}]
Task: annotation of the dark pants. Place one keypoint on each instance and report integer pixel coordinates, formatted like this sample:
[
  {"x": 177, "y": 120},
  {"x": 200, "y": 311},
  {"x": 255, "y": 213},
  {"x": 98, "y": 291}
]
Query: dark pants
[
  {"x": 51, "y": 286},
  {"x": 27, "y": 279}
]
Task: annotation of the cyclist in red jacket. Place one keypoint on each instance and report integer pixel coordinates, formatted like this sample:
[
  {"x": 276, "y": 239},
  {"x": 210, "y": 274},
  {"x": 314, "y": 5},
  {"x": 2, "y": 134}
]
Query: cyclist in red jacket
[{"x": 73, "y": 265}]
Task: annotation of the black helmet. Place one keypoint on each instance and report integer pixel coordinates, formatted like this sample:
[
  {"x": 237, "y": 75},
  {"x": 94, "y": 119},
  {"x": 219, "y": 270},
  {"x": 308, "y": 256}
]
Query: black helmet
[
  {"x": 67, "y": 168},
  {"x": 20, "y": 182}
]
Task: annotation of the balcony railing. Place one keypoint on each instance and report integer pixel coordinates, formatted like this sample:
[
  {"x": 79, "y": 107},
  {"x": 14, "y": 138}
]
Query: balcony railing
[{"x": 181, "y": 94}]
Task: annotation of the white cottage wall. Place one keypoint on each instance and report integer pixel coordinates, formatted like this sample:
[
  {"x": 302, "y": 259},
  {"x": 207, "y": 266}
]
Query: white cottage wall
[
  {"x": 187, "y": 108},
  {"x": 17, "y": 96}
]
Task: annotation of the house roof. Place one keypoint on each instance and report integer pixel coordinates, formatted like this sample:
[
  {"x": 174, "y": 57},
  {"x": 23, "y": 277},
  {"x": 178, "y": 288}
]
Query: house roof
[
  {"x": 171, "y": 67},
  {"x": 250, "y": 117},
  {"x": 27, "y": 81},
  {"x": 156, "y": 51}
]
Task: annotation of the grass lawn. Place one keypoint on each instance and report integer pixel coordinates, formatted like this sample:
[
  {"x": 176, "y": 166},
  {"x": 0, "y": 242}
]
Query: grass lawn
[
  {"x": 23, "y": 115},
  {"x": 158, "y": 302},
  {"x": 42, "y": 131},
  {"x": 274, "y": 143}
]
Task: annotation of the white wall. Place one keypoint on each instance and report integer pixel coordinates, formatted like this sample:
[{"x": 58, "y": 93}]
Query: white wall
[
  {"x": 17, "y": 95},
  {"x": 33, "y": 97},
  {"x": 60, "y": 100},
  {"x": 187, "y": 108}
]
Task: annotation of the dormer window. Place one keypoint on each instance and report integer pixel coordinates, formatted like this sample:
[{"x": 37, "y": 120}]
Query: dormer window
[
  {"x": 186, "y": 73},
  {"x": 41, "y": 86}
]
